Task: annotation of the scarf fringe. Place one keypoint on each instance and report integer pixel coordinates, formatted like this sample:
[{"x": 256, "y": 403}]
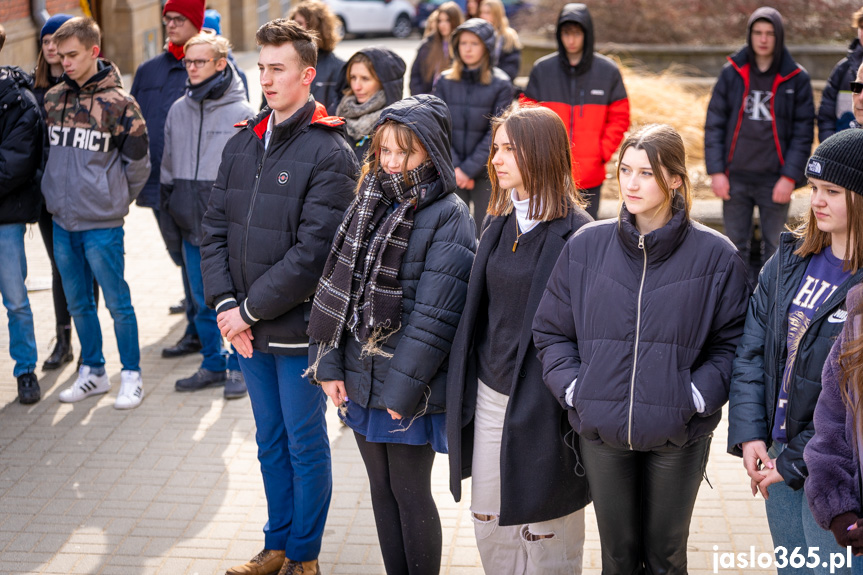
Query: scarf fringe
[
  {"x": 374, "y": 345},
  {"x": 311, "y": 373},
  {"x": 420, "y": 413}
]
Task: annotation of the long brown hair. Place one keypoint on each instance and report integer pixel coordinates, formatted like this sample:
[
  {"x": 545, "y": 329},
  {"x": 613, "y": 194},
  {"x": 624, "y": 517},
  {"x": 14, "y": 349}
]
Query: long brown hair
[
  {"x": 666, "y": 153},
  {"x": 437, "y": 60},
  {"x": 544, "y": 159},
  {"x": 406, "y": 139},
  {"x": 321, "y": 19},
  {"x": 458, "y": 67},
  {"x": 814, "y": 240},
  {"x": 42, "y": 76}
]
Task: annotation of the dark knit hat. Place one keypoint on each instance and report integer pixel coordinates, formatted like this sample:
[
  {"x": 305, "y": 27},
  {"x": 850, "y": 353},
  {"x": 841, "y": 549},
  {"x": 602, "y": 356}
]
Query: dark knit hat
[
  {"x": 53, "y": 23},
  {"x": 839, "y": 160},
  {"x": 191, "y": 9}
]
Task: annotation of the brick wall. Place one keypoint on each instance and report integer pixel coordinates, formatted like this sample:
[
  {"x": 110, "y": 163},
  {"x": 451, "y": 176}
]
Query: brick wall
[
  {"x": 62, "y": 6},
  {"x": 14, "y": 9}
]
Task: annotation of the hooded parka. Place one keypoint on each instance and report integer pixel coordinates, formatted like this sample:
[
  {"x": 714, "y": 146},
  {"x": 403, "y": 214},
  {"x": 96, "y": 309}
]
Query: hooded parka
[
  {"x": 537, "y": 467},
  {"x": 791, "y": 106},
  {"x": 434, "y": 277},
  {"x": 472, "y": 103},
  {"x": 637, "y": 320},
  {"x": 198, "y": 126},
  {"x": 762, "y": 354},
  {"x": 589, "y": 97},
  {"x": 270, "y": 220}
]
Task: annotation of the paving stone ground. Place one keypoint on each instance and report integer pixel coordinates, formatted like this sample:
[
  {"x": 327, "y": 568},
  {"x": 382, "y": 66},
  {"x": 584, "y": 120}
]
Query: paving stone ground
[{"x": 174, "y": 486}]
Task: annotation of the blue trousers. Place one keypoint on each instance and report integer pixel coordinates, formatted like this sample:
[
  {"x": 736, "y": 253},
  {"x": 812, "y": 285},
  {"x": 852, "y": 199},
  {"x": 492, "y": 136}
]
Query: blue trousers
[
  {"x": 792, "y": 525},
  {"x": 13, "y": 272},
  {"x": 80, "y": 257},
  {"x": 294, "y": 452}
]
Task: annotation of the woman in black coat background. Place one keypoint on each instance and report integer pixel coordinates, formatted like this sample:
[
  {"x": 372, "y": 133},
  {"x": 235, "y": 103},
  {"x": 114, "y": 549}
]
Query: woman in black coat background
[
  {"x": 317, "y": 16},
  {"x": 503, "y": 426}
]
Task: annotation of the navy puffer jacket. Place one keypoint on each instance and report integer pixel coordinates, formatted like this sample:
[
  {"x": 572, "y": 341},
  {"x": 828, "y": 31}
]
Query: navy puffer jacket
[
  {"x": 762, "y": 354},
  {"x": 836, "y": 111},
  {"x": 270, "y": 221},
  {"x": 22, "y": 149},
  {"x": 472, "y": 104},
  {"x": 638, "y": 320},
  {"x": 434, "y": 277}
]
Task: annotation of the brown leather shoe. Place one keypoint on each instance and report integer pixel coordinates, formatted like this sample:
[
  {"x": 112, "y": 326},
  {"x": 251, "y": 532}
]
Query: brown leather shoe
[
  {"x": 267, "y": 562},
  {"x": 292, "y": 567}
]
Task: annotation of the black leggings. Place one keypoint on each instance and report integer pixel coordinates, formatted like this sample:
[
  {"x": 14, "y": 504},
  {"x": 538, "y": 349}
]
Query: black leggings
[
  {"x": 643, "y": 502},
  {"x": 61, "y": 307},
  {"x": 406, "y": 516}
]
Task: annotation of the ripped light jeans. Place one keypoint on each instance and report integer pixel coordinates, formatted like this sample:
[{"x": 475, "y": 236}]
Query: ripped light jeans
[{"x": 514, "y": 549}]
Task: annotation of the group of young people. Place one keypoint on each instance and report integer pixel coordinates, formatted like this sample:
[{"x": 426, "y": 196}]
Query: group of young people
[{"x": 557, "y": 361}]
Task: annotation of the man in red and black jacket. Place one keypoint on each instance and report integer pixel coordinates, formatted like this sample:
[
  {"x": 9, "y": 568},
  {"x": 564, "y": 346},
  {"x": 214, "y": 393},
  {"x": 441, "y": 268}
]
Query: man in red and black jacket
[
  {"x": 586, "y": 90},
  {"x": 758, "y": 134}
]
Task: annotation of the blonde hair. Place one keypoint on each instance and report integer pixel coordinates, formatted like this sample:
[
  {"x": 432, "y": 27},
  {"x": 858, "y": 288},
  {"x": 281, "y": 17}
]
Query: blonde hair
[
  {"x": 219, "y": 44},
  {"x": 501, "y": 25}
]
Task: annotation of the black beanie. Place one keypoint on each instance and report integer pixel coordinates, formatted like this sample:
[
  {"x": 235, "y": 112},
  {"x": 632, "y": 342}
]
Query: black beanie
[{"x": 839, "y": 160}]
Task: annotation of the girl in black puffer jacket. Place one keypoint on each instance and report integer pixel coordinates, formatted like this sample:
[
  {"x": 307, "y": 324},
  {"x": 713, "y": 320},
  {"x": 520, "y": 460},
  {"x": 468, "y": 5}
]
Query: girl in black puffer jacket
[
  {"x": 636, "y": 333},
  {"x": 474, "y": 91},
  {"x": 384, "y": 318}
]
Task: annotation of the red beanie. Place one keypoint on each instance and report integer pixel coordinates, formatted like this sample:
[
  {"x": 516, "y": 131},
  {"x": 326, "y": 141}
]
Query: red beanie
[{"x": 191, "y": 9}]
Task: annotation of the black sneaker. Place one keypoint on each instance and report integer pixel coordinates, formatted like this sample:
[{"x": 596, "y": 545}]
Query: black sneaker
[
  {"x": 187, "y": 345},
  {"x": 235, "y": 385},
  {"x": 28, "y": 388},
  {"x": 178, "y": 307},
  {"x": 201, "y": 379}
]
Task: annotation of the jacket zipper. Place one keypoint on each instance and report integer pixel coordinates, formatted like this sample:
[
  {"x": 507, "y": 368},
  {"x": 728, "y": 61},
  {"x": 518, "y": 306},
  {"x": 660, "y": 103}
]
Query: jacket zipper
[
  {"x": 466, "y": 120},
  {"x": 200, "y": 133},
  {"x": 249, "y": 215},
  {"x": 572, "y": 87},
  {"x": 637, "y": 335}
]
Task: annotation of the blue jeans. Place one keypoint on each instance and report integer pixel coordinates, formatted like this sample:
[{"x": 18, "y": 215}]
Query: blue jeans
[
  {"x": 205, "y": 318},
  {"x": 746, "y": 193},
  {"x": 294, "y": 452},
  {"x": 13, "y": 272},
  {"x": 792, "y": 525},
  {"x": 177, "y": 257},
  {"x": 80, "y": 257}
]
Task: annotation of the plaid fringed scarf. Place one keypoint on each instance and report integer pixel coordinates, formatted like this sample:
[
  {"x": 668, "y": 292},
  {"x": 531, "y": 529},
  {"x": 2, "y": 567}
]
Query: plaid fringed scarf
[{"x": 359, "y": 289}]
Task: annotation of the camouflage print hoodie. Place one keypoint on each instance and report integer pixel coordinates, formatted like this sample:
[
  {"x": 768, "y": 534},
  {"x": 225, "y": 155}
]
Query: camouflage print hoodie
[{"x": 99, "y": 160}]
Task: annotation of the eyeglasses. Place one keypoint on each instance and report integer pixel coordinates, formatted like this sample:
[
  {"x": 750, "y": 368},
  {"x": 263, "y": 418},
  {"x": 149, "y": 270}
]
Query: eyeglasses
[
  {"x": 857, "y": 87},
  {"x": 175, "y": 20},
  {"x": 197, "y": 64}
]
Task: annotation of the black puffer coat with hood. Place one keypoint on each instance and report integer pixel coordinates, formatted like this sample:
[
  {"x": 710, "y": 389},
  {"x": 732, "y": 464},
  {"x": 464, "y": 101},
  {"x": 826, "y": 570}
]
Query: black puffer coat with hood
[
  {"x": 434, "y": 277},
  {"x": 792, "y": 106},
  {"x": 836, "y": 111},
  {"x": 22, "y": 148},
  {"x": 390, "y": 70},
  {"x": 472, "y": 103}
]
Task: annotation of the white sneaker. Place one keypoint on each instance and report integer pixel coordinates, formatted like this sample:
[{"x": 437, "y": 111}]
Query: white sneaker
[
  {"x": 131, "y": 390},
  {"x": 87, "y": 384}
]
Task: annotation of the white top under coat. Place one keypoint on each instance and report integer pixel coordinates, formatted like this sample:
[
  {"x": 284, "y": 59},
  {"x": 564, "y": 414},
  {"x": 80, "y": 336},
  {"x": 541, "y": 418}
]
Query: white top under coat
[{"x": 521, "y": 208}]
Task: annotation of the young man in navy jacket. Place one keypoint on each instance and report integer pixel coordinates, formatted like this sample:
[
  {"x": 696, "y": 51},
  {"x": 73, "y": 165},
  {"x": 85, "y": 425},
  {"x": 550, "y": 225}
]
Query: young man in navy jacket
[
  {"x": 158, "y": 83},
  {"x": 284, "y": 183},
  {"x": 758, "y": 134}
]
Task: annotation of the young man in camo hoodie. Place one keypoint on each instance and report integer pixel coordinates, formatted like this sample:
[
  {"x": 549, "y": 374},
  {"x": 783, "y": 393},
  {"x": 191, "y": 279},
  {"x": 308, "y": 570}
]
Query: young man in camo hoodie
[{"x": 98, "y": 162}]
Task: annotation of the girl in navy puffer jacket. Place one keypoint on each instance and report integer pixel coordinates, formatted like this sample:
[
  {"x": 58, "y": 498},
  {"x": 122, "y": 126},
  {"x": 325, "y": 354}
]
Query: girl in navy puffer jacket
[
  {"x": 474, "y": 91},
  {"x": 636, "y": 333}
]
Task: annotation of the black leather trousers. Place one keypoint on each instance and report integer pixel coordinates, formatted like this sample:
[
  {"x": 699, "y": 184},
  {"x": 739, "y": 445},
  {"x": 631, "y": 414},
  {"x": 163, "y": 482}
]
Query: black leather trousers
[{"x": 644, "y": 502}]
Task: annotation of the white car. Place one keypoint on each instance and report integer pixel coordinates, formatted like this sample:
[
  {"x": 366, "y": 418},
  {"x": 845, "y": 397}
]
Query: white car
[{"x": 394, "y": 17}]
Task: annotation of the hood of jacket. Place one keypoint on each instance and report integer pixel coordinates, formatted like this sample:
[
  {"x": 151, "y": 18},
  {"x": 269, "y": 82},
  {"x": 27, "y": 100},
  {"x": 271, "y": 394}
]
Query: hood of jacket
[
  {"x": 576, "y": 14},
  {"x": 390, "y": 69},
  {"x": 428, "y": 117},
  {"x": 482, "y": 29},
  {"x": 774, "y": 17},
  {"x": 12, "y": 80},
  {"x": 107, "y": 77}
]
